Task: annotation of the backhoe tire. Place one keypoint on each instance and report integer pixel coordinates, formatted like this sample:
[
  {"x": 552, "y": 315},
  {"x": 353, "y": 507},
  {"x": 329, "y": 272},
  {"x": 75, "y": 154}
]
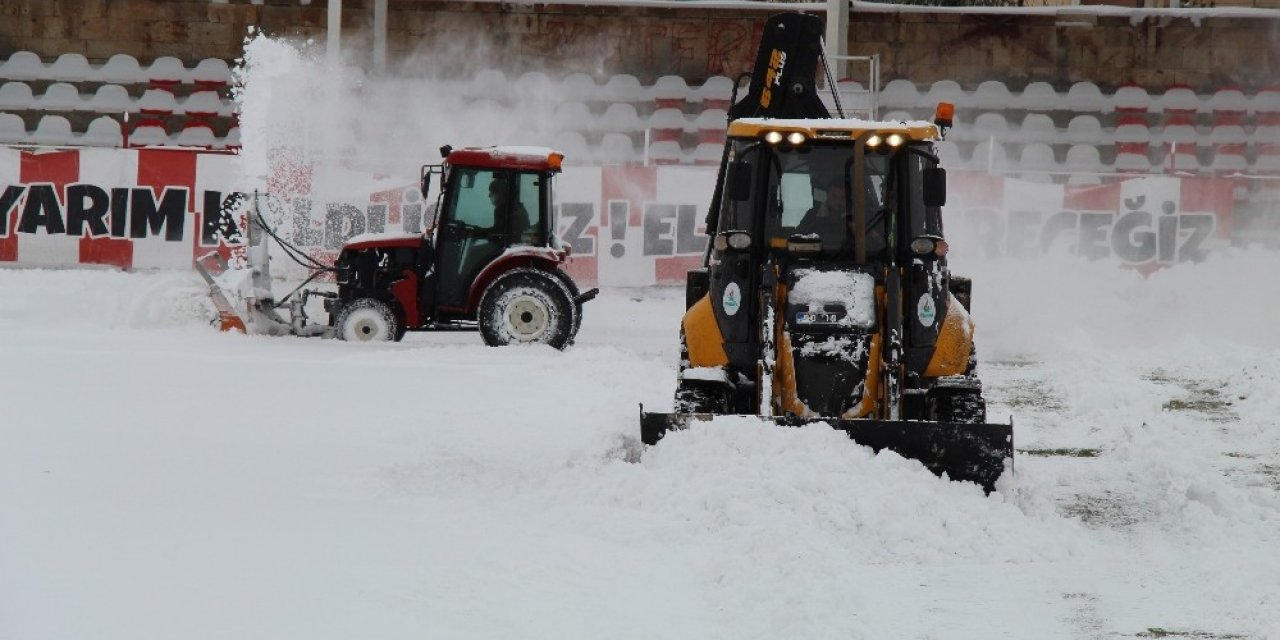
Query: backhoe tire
[
  {"x": 696, "y": 397},
  {"x": 962, "y": 406},
  {"x": 527, "y": 306},
  {"x": 368, "y": 320}
]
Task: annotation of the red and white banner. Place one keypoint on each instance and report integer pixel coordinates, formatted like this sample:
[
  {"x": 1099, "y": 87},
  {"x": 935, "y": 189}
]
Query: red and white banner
[
  {"x": 627, "y": 226},
  {"x": 1141, "y": 222}
]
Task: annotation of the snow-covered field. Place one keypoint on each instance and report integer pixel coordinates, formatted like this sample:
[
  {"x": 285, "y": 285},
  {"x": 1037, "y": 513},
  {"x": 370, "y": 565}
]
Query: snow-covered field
[{"x": 161, "y": 480}]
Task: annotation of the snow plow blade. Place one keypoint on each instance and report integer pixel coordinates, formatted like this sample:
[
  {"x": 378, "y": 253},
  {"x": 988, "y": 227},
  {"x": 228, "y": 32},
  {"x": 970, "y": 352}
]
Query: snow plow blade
[{"x": 964, "y": 452}]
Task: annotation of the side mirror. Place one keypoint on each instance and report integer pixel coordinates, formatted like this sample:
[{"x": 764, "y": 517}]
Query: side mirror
[
  {"x": 740, "y": 181},
  {"x": 426, "y": 182},
  {"x": 935, "y": 187}
]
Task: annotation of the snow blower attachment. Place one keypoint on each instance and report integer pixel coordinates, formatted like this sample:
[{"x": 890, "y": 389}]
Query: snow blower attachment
[
  {"x": 825, "y": 294},
  {"x": 490, "y": 263}
]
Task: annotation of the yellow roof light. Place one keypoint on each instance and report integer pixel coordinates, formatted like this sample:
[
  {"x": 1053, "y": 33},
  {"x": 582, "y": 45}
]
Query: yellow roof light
[
  {"x": 773, "y": 137},
  {"x": 554, "y": 160}
]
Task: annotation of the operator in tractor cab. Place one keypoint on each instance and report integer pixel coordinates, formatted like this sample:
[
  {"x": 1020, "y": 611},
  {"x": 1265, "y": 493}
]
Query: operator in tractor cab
[{"x": 523, "y": 226}]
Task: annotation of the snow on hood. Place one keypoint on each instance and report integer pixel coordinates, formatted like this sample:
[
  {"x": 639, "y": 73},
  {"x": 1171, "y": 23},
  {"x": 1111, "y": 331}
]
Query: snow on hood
[{"x": 852, "y": 289}]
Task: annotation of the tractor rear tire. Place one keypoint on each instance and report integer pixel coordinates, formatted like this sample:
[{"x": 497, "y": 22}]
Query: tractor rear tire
[
  {"x": 368, "y": 320},
  {"x": 527, "y": 306}
]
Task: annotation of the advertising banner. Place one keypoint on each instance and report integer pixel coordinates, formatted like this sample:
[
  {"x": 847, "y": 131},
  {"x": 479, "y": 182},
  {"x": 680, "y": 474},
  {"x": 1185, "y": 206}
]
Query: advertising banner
[{"x": 626, "y": 226}]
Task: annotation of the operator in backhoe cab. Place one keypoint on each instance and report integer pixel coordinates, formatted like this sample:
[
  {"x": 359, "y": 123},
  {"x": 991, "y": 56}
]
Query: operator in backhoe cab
[{"x": 831, "y": 218}]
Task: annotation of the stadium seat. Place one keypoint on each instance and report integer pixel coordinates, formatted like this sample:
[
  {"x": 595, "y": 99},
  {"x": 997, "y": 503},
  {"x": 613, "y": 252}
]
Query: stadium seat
[
  {"x": 715, "y": 93},
  {"x": 949, "y": 155},
  {"x": 121, "y": 68},
  {"x": 71, "y": 67},
  {"x": 1038, "y": 96},
  {"x": 60, "y": 96},
  {"x": 13, "y": 130},
  {"x": 1267, "y": 161},
  {"x": 148, "y": 132},
  {"x": 16, "y": 96},
  {"x": 230, "y": 141},
  {"x": 900, "y": 93},
  {"x": 945, "y": 91},
  {"x": 665, "y": 152},
  {"x": 1086, "y": 97},
  {"x": 1083, "y": 159},
  {"x": 989, "y": 157},
  {"x": 573, "y": 116},
  {"x": 1085, "y": 129},
  {"x": 1228, "y": 105},
  {"x": 1229, "y": 159},
  {"x": 1037, "y": 127},
  {"x": 1130, "y": 99},
  {"x": 991, "y": 95},
  {"x": 1179, "y": 128},
  {"x": 535, "y": 85},
  {"x": 707, "y": 154},
  {"x": 103, "y": 131},
  {"x": 166, "y": 72},
  {"x": 578, "y": 87},
  {"x": 670, "y": 92},
  {"x": 616, "y": 148},
  {"x": 620, "y": 117},
  {"x": 666, "y": 125},
  {"x": 110, "y": 98},
  {"x": 53, "y": 131},
  {"x": 23, "y": 65},
  {"x": 195, "y": 133},
  {"x": 1179, "y": 98},
  {"x": 622, "y": 87},
  {"x": 991, "y": 124},
  {"x": 574, "y": 147},
  {"x": 710, "y": 126},
  {"x": 200, "y": 104},
  {"x": 157, "y": 101},
  {"x": 211, "y": 74},
  {"x": 1181, "y": 158},
  {"x": 1266, "y": 101},
  {"x": 1037, "y": 162}
]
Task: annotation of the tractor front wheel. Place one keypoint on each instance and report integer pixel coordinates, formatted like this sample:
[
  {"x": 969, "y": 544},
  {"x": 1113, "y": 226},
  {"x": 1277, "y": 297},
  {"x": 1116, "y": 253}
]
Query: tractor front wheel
[
  {"x": 527, "y": 306},
  {"x": 368, "y": 320}
]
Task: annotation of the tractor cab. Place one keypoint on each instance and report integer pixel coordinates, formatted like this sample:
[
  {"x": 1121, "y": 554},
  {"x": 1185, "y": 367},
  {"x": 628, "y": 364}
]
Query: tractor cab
[
  {"x": 493, "y": 221},
  {"x": 496, "y": 203}
]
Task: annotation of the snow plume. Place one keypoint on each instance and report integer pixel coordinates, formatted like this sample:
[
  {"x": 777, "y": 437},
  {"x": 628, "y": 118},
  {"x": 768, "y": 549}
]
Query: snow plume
[
  {"x": 346, "y": 123},
  {"x": 1029, "y": 307}
]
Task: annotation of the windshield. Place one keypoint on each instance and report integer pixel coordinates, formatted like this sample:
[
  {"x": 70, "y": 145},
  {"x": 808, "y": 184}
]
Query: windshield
[{"x": 812, "y": 193}]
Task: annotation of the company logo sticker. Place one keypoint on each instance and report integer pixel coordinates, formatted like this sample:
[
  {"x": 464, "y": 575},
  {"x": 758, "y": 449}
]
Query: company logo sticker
[
  {"x": 926, "y": 310},
  {"x": 732, "y": 299}
]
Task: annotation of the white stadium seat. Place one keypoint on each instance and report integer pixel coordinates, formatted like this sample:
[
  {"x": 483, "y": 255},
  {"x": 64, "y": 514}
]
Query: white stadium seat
[
  {"x": 72, "y": 67},
  {"x": 1037, "y": 127},
  {"x": 991, "y": 95},
  {"x": 1038, "y": 96},
  {"x": 620, "y": 117},
  {"x": 1086, "y": 97},
  {"x": 121, "y": 68},
  {"x": 617, "y": 148},
  {"x": 111, "y": 98},
  {"x": 16, "y": 96},
  {"x": 622, "y": 87},
  {"x": 900, "y": 93},
  {"x": 13, "y": 130},
  {"x": 53, "y": 131},
  {"x": 23, "y": 65},
  {"x": 103, "y": 131},
  {"x": 60, "y": 96},
  {"x": 578, "y": 87}
]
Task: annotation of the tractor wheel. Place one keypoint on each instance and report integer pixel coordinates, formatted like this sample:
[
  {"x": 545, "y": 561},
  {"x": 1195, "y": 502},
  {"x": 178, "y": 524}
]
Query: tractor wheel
[
  {"x": 526, "y": 306},
  {"x": 368, "y": 320}
]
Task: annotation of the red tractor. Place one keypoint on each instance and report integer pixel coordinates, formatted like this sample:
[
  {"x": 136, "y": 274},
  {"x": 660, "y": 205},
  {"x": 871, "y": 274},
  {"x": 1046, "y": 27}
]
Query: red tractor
[{"x": 489, "y": 262}]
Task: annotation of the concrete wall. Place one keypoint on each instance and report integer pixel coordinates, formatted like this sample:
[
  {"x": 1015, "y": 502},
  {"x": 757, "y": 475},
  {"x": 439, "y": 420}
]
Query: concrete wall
[{"x": 455, "y": 38}]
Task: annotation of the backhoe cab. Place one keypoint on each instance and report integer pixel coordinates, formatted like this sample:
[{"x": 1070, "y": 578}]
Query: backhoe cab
[{"x": 825, "y": 295}]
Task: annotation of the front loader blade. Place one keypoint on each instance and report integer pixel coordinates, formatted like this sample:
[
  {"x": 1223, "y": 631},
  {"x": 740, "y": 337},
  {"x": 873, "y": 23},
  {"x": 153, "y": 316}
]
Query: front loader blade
[{"x": 964, "y": 452}]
